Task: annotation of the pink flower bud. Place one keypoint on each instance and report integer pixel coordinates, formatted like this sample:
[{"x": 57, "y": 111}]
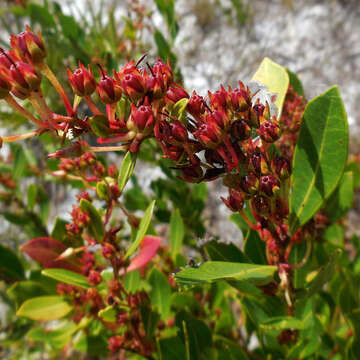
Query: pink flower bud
[
  {"x": 209, "y": 134},
  {"x": 235, "y": 200},
  {"x": 179, "y": 132},
  {"x": 260, "y": 204},
  {"x": 269, "y": 185},
  {"x": 108, "y": 90},
  {"x": 94, "y": 277},
  {"x": 156, "y": 86},
  {"x": 82, "y": 80},
  {"x": 269, "y": 131},
  {"x": 115, "y": 343}
]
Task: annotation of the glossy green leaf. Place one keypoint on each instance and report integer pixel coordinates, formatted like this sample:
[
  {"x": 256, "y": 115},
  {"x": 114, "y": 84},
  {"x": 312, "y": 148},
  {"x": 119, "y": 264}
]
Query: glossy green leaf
[
  {"x": 162, "y": 45},
  {"x": 96, "y": 226},
  {"x": 217, "y": 251},
  {"x": 295, "y": 82},
  {"x": 11, "y": 267},
  {"x": 218, "y": 270},
  {"x": 177, "y": 232},
  {"x": 276, "y": 78},
  {"x": 150, "y": 320},
  {"x": 31, "y": 196},
  {"x": 44, "y": 308},
  {"x": 69, "y": 26},
  {"x": 320, "y": 156},
  {"x": 126, "y": 169},
  {"x": 143, "y": 227},
  {"x": 341, "y": 200},
  {"x": 68, "y": 277},
  {"x": 59, "y": 231},
  {"x": 160, "y": 292},
  {"x": 41, "y": 15},
  {"x": 282, "y": 323}
]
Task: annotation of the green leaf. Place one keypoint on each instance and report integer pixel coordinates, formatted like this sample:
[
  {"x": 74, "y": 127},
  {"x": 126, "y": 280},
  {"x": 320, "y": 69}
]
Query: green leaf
[
  {"x": 44, "y": 308},
  {"x": 11, "y": 267},
  {"x": 126, "y": 170},
  {"x": 324, "y": 274},
  {"x": 172, "y": 349},
  {"x": 179, "y": 109},
  {"x": 282, "y": 323},
  {"x": 31, "y": 196},
  {"x": 162, "y": 45},
  {"x": 150, "y": 320},
  {"x": 24, "y": 290},
  {"x": 144, "y": 224},
  {"x": 276, "y": 78},
  {"x": 320, "y": 156},
  {"x": 68, "y": 277},
  {"x": 177, "y": 232},
  {"x": 96, "y": 226},
  {"x": 195, "y": 334},
  {"x": 160, "y": 292},
  {"x": 341, "y": 200},
  {"x": 20, "y": 162},
  {"x": 132, "y": 281},
  {"x": 69, "y": 26},
  {"x": 59, "y": 231},
  {"x": 100, "y": 125},
  {"x": 295, "y": 82},
  {"x": 254, "y": 248},
  {"x": 218, "y": 270},
  {"x": 41, "y": 15},
  {"x": 217, "y": 251},
  {"x": 108, "y": 314}
]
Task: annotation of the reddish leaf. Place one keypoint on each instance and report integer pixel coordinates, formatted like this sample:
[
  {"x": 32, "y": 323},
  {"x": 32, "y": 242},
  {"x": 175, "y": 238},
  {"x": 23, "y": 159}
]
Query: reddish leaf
[
  {"x": 148, "y": 248},
  {"x": 45, "y": 251}
]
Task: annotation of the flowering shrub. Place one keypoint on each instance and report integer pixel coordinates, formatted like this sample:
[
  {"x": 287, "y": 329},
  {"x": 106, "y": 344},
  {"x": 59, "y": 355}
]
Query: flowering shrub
[{"x": 117, "y": 284}]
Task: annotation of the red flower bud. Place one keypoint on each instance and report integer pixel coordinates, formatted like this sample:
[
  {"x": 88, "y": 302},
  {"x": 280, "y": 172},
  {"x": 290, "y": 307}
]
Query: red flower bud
[
  {"x": 115, "y": 343},
  {"x": 4, "y": 84},
  {"x": 282, "y": 167},
  {"x": 143, "y": 118},
  {"x": 94, "y": 277},
  {"x": 240, "y": 99},
  {"x": 24, "y": 78},
  {"x": 196, "y": 106},
  {"x": 163, "y": 70},
  {"x": 178, "y": 132},
  {"x": 249, "y": 184},
  {"x": 192, "y": 173},
  {"x": 28, "y": 46},
  {"x": 82, "y": 80},
  {"x": 258, "y": 163},
  {"x": 219, "y": 99},
  {"x": 240, "y": 130},
  {"x": 156, "y": 86},
  {"x": 174, "y": 94},
  {"x": 269, "y": 131},
  {"x": 108, "y": 90},
  {"x": 209, "y": 134},
  {"x": 107, "y": 251},
  {"x": 260, "y": 204},
  {"x": 235, "y": 200},
  {"x": 269, "y": 185}
]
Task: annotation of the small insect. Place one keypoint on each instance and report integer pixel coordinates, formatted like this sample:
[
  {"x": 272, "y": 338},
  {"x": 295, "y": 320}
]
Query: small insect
[{"x": 193, "y": 264}]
